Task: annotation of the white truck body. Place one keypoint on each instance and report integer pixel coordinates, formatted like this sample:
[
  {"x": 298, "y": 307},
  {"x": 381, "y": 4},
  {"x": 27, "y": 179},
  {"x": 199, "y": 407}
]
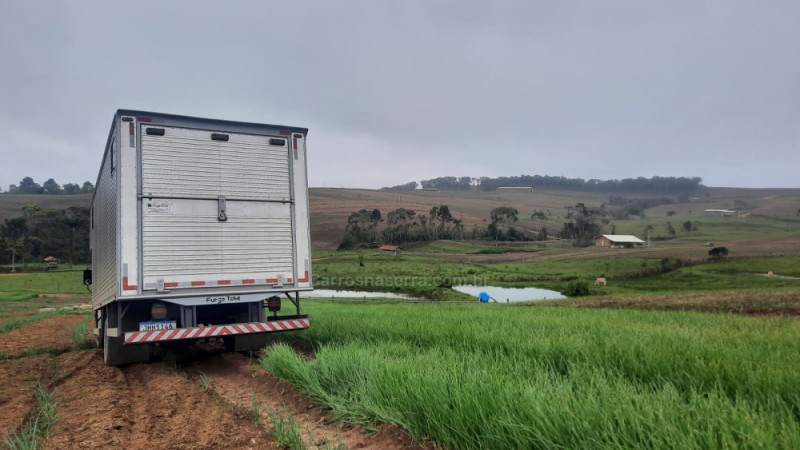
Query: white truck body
[{"x": 197, "y": 212}]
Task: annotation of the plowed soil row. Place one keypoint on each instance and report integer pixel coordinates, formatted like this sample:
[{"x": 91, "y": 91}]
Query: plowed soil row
[
  {"x": 145, "y": 406},
  {"x": 19, "y": 378},
  {"x": 53, "y": 334},
  {"x": 237, "y": 381}
]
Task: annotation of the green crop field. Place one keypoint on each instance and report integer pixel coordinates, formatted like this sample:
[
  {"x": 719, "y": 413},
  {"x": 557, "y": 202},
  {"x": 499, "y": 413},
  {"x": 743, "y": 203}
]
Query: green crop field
[{"x": 497, "y": 376}]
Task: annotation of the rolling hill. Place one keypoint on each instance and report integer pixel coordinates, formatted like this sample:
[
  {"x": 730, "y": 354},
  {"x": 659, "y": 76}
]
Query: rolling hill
[{"x": 330, "y": 207}]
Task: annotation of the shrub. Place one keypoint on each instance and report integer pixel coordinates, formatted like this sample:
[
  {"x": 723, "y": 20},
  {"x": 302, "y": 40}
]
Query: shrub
[
  {"x": 577, "y": 288},
  {"x": 718, "y": 252}
]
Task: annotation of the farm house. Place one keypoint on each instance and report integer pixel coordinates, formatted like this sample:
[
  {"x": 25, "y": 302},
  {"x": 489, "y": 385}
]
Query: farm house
[
  {"x": 617, "y": 241},
  {"x": 390, "y": 249}
]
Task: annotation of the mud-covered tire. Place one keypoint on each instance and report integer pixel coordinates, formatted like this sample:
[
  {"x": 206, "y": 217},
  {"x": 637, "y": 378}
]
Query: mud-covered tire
[{"x": 116, "y": 353}]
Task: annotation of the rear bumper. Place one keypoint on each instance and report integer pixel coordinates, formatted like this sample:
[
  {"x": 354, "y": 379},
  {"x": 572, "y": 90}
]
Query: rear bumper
[{"x": 145, "y": 337}]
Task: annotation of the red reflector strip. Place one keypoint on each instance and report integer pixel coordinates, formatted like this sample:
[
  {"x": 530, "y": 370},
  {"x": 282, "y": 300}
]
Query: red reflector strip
[
  {"x": 138, "y": 337},
  {"x": 304, "y": 279},
  {"x": 225, "y": 282},
  {"x": 285, "y": 132},
  {"x": 131, "y": 129},
  {"x": 126, "y": 286},
  {"x": 294, "y": 142}
]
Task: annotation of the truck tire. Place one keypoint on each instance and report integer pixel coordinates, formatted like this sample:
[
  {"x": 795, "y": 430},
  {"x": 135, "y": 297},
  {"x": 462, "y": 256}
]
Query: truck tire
[{"x": 116, "y": 353}]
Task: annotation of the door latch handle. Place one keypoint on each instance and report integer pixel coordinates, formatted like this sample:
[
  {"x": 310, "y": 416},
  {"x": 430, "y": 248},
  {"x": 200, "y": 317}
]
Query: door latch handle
[{"x": 222, "y": 216}]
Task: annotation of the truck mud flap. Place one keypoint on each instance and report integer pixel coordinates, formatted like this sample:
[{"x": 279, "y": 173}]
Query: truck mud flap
[{"x": 145, "y": 337}]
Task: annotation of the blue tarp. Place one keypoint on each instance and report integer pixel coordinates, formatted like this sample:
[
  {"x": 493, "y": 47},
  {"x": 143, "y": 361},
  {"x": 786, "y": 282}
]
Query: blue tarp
[{"x": 484, "y": 297}]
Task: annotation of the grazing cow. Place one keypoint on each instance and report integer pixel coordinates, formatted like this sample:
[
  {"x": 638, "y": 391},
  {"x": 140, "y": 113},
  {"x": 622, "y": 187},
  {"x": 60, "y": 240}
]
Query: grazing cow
[
  {"x": 770, "y": 274},
  {"x": 600, "y": 280}
]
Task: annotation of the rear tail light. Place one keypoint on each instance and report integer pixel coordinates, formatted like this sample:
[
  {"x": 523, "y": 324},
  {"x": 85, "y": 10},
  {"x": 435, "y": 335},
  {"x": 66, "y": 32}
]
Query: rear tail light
[
  {"x": 274, "y": 303},
  {"x": 158, "y": 311}
]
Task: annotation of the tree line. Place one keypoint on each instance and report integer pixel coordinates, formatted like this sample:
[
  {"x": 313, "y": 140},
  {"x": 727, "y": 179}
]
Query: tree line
[
  {"x": 404, "y": 225},
  {"x": 39, "y": 233},
  {"x": 401, "y": 225},
  {"x": 653, "y": 185},
  {"x": 50, "y": 187},
  {"x": 579, "y": 225}
]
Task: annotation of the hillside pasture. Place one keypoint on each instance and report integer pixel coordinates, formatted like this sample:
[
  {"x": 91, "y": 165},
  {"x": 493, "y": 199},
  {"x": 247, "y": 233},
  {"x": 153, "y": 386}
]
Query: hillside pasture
[
  {"x": 773, "y": 212},
  {"x": 11, "y": 204}
]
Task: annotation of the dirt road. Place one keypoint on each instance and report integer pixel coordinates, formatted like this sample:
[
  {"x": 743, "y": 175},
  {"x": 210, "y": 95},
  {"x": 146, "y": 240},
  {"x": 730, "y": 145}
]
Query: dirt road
[{"x": 213, "y": 400}]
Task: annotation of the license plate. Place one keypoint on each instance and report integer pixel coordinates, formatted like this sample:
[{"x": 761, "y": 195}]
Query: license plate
[{"x": 157, "y": 326}]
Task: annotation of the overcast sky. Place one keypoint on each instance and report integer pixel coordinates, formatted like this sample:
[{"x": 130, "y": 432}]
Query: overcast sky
[{"x": 397, "y": 91}]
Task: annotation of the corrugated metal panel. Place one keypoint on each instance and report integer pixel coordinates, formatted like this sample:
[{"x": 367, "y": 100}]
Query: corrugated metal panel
[
  {"x": 200, "y": 245},
  {"x": 187, "y": 162},
  {"x": 104, "y": 245},
  {"x": 184, "y": 237}
]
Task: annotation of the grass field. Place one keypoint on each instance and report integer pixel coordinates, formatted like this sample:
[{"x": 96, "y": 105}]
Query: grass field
[
  {"x": 479, "y": 376},
  {"x": 56, "y": 282}
]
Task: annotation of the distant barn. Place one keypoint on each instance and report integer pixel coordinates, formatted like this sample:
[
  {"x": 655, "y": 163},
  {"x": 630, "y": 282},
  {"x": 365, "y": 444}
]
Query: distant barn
[
  {"x": 720, "y": 212},
  {"x": 390, "y": 249},
  {"x": 51, "y": 261},
  {"x": 618, "y": 241}
]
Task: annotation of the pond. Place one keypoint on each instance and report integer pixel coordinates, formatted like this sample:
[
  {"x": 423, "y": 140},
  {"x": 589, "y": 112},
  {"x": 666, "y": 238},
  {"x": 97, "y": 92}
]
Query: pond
[{"x": 508, "y": 294}]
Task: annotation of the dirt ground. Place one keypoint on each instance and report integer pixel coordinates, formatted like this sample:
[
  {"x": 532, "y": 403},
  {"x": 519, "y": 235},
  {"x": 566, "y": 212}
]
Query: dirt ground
[
  {"x": 19, "y": 378},
  {"x": 160, "y": 404},
  {"x": 53, "y": 334},
  {"x": 238, "y": 382}
]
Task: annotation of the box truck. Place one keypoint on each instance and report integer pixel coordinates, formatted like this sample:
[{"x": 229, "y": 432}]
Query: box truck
[{"x": 199, "y": 230}]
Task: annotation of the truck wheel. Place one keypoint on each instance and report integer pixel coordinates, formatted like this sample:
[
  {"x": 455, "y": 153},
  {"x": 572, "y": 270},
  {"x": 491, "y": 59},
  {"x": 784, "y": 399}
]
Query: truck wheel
[{"x": 115, "y": 353}]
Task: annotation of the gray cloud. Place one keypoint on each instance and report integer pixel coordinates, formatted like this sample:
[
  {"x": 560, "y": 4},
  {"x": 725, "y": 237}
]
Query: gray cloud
[{"x": 395, "y": 91}]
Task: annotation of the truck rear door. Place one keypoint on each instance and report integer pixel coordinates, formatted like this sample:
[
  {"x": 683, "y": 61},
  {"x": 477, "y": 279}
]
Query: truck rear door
[{"x": 216, "y": 209}]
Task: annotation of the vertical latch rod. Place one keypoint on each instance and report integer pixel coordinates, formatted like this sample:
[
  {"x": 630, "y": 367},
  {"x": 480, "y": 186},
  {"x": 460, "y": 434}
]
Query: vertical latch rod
[{"x": 221, "y": 214}]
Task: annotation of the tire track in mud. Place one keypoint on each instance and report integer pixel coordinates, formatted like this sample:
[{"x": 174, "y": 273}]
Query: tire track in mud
[
  {"x": 237, "y": 381},
  {"x": 143, "y": 406}
]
